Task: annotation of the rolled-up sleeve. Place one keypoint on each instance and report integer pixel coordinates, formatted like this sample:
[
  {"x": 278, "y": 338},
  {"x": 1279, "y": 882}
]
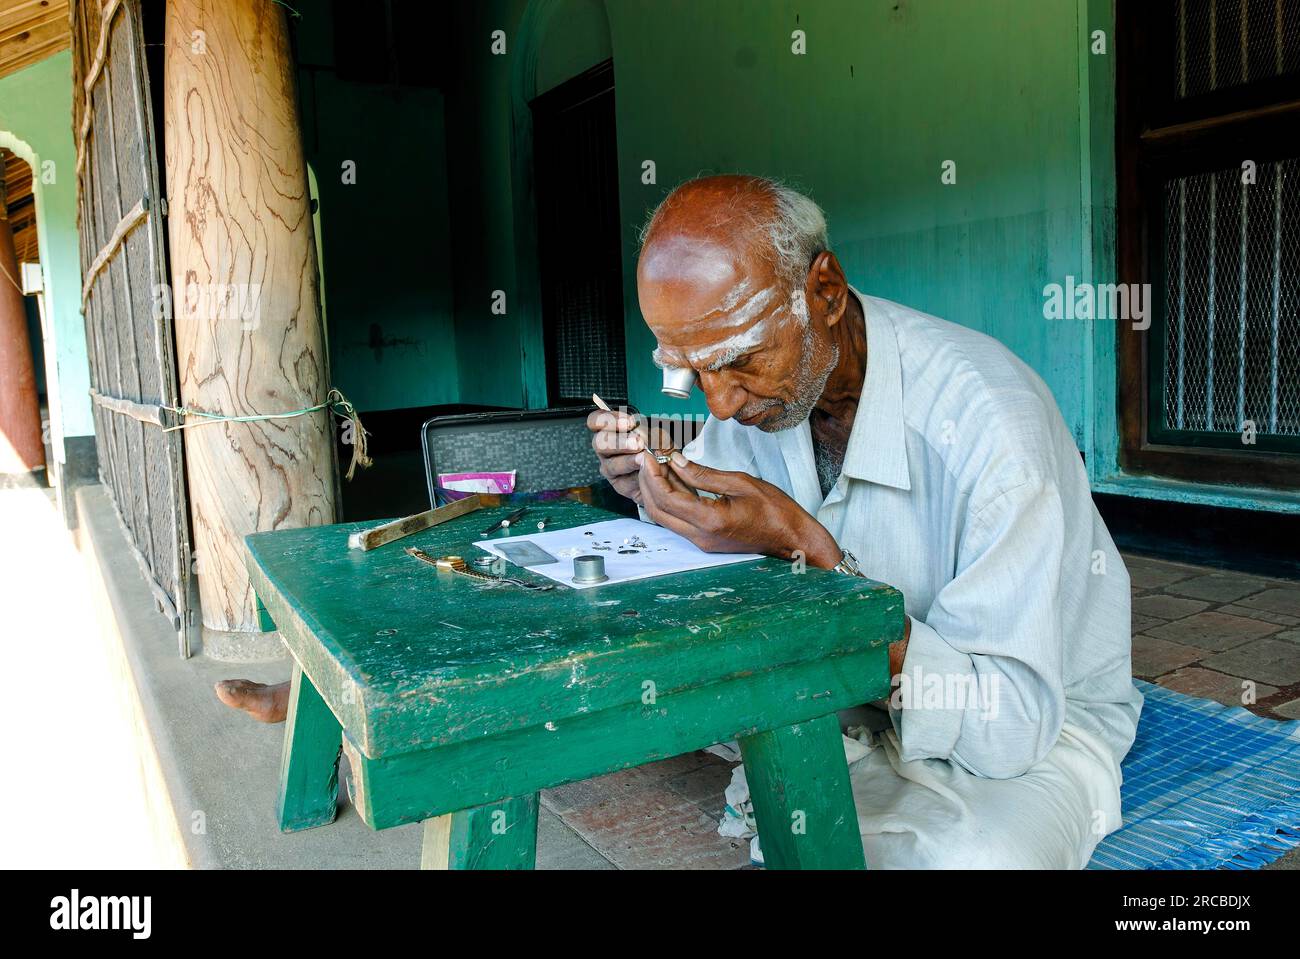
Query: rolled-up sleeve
[{"x": 982, "y": 679}]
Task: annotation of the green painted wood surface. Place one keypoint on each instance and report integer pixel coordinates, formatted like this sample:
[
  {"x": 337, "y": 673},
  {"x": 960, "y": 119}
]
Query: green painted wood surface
[
  {"x": 500, "y": 835},
  {"x": 309, "y": 766},
  {"x": 803, "y": 803},
  {"x": 418, "y": 785},
  {"x": 408, "y": 657}
]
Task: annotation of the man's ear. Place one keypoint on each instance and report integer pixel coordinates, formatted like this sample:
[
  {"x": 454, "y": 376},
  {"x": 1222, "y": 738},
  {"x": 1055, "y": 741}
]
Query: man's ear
[{"x": 826, "y": 288}]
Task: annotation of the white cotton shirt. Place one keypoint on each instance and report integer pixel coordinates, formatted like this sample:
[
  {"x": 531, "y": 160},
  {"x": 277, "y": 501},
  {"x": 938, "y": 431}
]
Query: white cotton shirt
[{"x": 963, "y": 488}]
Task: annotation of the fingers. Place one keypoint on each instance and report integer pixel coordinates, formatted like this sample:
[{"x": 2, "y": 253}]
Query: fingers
[
  {"x": 653, "y": 489},
  {"x": 599, "y": 420},
  {"x": 612, "y": 467},
  {"x": 710, "y": 480},
  {"x": 660, "y": 486},
  {"x": 614, "y": 434}
]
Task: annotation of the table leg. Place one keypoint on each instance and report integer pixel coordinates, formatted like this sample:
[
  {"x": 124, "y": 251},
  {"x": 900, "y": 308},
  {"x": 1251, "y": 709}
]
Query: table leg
[
  {"x": 803, "y": 803},
  {"x": 309, "y": 765},
  {"x": 501, "y": 835}
]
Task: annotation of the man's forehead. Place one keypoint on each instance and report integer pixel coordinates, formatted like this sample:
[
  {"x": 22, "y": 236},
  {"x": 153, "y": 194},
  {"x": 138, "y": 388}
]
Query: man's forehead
[
  {"x": 741, "y": 324},
  {"x": 693, "y": 268},
  {"x": 701, "y": 290}
]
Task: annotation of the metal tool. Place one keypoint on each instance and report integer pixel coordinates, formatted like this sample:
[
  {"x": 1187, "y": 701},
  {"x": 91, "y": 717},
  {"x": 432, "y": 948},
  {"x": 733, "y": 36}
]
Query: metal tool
[
  {"x": 368, "y": 539},
  {"x": 661, "y": 456},
  {"x": 456, "y": 564},
  {"x": 505, "y": 523}
]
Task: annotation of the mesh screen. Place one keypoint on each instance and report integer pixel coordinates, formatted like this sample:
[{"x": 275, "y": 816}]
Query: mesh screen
[
  {"x": 589, "y": 356},
  {"x": 1232, "y": 287},
  {"x": 1222, "y": 44},
  {"x": 579, "y": 240}
]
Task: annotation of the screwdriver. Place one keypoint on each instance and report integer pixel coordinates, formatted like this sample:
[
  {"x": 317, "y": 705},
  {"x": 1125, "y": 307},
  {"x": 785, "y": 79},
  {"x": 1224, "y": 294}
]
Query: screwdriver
[{"x": 505, "y": 523}]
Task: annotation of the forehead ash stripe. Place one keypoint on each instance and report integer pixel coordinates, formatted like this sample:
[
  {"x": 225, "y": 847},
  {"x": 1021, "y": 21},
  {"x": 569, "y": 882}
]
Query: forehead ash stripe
[
  {"x": 727, "y": 350},
  {"x": 739, "y": 312}
]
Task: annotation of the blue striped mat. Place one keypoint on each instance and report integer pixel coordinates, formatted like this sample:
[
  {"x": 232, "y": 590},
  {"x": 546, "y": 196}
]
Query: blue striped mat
[{"x": 1205, "y": 786}]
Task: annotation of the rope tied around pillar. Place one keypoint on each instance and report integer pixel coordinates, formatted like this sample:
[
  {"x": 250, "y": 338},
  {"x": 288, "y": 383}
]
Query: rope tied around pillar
[{"x": 335, "y": 402}]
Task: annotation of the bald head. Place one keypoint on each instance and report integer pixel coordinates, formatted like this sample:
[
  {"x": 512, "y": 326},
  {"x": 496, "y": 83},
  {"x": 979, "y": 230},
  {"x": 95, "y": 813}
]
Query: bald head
[
  {"x": 731, "y": 224},
  {"x": 727, "y": 266}
]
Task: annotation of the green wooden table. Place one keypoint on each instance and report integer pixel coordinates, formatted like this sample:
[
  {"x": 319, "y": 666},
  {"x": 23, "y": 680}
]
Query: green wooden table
[{"x": 457, "y": 702}]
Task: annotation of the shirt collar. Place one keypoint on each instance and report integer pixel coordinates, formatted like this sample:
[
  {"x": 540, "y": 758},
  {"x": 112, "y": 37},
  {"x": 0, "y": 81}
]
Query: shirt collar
[{"x": 877, "y": 450}]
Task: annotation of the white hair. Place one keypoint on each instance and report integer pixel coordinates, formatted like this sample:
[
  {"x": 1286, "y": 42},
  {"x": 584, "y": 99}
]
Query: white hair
[
  {"x": 795, "y": 230},
  {"x": 797, "y": 234}
]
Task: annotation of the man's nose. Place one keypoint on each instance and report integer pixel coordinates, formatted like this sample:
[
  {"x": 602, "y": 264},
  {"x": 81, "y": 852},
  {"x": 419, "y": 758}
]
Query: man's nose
[{"x": 724, "y": 398}]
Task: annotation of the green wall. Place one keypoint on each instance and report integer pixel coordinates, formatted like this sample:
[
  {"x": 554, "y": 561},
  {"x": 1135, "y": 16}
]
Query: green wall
[
  {"x": 887, "y": 91},
  {"x": 36, "y": 122},
  {"x": 385, "y": 238},
  {"x": 494, "y": 351}
]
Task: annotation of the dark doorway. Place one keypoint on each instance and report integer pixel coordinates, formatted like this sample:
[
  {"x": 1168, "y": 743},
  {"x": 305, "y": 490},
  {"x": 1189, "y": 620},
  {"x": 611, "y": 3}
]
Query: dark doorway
[{"x": 578, "y": 237}]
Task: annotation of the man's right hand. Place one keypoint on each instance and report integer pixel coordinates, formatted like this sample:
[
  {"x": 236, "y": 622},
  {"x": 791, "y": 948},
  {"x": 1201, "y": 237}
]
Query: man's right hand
[{"x": 617, "y": 438}]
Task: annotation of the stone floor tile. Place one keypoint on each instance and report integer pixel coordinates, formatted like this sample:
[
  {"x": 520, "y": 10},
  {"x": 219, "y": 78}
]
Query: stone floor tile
[
  {"x": 706, "y": 787},
  {"x": 559, "y": 847},
  {"x": 1290, "y": 710},
  {"x": 1142, "y": 623},
  {"x": 1166, "y": 607},
  {"x": 1217, "y": 587},
  {"x": 654, "y": 828},
  {"x": 1267, "y": 615},
  {"x": 1263, "y": 660},
  {"x": 1153, "y": 573},
  {"x": 1285, "y": 601},
  {"x": 1154, "y": 657},
  {"x": 1207, "y": 684},
  {"x": 1212, "y": 630}
]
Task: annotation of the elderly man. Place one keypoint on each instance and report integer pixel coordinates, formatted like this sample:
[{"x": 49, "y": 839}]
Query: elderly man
[{"x": 876, "y": 440}]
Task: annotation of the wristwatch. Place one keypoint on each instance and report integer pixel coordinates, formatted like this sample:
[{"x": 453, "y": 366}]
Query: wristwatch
[{"x": 848, "y": 564}]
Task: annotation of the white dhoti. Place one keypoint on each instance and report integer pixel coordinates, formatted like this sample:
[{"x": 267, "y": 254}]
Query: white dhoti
[{"x": 931, "y": 814}]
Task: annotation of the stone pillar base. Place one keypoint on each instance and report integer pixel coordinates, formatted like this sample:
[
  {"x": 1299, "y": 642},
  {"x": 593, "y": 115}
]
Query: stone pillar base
[{"x": 226, "y": 646}]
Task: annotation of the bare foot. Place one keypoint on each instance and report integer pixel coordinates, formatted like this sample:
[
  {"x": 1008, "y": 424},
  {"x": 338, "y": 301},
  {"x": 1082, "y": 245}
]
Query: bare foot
[{"x": 266, "y": 704}]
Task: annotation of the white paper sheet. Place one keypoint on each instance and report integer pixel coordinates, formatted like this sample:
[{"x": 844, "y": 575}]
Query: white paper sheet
[{"x": 665, "y": 551}]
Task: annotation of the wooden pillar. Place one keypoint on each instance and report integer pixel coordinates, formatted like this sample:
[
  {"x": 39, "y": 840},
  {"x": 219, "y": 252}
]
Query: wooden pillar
[
  {"x": 243, "y": 263},
  {"x": 21, "y": 449}
]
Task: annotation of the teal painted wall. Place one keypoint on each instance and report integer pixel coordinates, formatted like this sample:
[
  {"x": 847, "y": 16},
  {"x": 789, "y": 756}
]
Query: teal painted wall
[
  {"x": 887, "y": 91},
  {"x": 493, "y": 350},
  {"x": 385, "y": 239},
  {"x": 36, "y": 122},
  {"x": 577, "y": 39}
]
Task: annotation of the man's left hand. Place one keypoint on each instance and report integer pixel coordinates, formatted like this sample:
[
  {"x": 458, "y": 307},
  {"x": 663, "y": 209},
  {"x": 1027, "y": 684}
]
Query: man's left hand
[{"x": 749, "y": 515}]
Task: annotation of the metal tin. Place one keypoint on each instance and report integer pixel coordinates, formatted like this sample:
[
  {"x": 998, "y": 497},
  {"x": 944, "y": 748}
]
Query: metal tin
[{"x": 589, "y": 569}]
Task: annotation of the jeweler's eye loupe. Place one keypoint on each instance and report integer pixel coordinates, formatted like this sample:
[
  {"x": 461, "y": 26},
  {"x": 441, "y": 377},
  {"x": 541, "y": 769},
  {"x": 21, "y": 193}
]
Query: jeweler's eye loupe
[{"x": 678, "y": 381}]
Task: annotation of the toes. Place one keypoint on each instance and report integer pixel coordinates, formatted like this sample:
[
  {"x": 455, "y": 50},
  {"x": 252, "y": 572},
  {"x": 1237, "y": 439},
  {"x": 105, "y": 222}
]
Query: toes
[{"x": 238, "y": 693}]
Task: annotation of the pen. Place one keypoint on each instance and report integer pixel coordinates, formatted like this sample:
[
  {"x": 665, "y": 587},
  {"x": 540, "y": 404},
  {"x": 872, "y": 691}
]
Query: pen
[{"x": 505, "y": 523}]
